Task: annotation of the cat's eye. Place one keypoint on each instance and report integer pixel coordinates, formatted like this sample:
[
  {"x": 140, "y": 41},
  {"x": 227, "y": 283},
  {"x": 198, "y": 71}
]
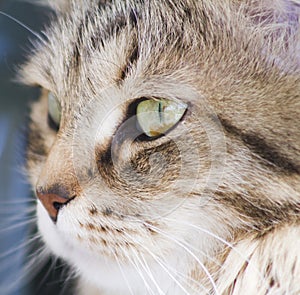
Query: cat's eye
[
  {"x": 54, "y": 111},
  {"x": 156, "y": 116}
]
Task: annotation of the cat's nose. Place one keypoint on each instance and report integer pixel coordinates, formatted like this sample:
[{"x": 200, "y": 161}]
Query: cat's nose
[{"x": 52, "y": 202}]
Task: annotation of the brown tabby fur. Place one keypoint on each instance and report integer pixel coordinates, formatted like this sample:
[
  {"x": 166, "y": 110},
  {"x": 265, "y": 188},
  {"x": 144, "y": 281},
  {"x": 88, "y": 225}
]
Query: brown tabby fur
[{"x": 236, "y": 151}]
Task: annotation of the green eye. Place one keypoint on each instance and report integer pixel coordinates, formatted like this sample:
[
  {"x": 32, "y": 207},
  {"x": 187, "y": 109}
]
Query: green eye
[
  {"x": 54, "y": 110},
  {"x": 157, "y": 116}
]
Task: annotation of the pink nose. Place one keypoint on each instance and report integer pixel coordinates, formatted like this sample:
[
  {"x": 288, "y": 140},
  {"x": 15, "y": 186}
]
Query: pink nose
[{"x": 52, "y": 202}]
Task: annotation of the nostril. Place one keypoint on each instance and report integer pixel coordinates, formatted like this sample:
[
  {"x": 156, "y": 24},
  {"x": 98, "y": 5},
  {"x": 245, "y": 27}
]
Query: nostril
[
  {"x": 57, "y": 205},
  {"x": 52, "y": 202}
]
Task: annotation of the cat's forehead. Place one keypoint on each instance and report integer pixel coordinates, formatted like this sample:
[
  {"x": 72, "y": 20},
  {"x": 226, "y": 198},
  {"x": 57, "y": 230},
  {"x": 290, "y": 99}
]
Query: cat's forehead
[
  {"x": 81, "y": 54},
  {"x": 95, "y": 46}
]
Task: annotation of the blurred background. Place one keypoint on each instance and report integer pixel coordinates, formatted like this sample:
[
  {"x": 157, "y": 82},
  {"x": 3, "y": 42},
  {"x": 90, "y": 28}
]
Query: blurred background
[{"x": 16, "y": 199}]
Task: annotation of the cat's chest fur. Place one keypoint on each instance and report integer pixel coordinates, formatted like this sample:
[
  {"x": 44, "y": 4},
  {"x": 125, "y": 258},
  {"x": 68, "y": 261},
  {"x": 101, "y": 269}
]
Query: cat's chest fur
[{"x": 164, "y": 150}]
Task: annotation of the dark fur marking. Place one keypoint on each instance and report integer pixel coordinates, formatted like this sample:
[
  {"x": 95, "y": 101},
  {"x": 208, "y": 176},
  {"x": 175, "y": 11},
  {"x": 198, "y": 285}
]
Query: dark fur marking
[
  {"x": 93, "y": 210},
  {"x": 263, "y": 213},
  {"x": 35, "y": 141},
  {"x": 79, "y": 41},
  {"x": 260, "y": 147},
  {"x": 131, "y": 60},
  {"x": 102, "y": 3},
  {"x": 97, "y": 38},
  {"x": 134, "y": 175},
  {"x": 113, "y": 28},
  {"x": 107, "y": 212},
  {"x": 91, "y": 226},
  {"x": 272, "y": 282},
  {"x": 149, "y": 228},
  {"x": 93, "y": 240},
  {"x": 133, "y": 57}
]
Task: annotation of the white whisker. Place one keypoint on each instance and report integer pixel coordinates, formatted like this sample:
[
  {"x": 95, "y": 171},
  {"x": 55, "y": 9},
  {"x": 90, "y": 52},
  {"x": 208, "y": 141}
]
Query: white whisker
[
  {"x": 148, "y": 271},
  {"x": 189, "y": 252},
  {"x": 23, "y": 244},
  {"x": 15, "y": 213},
  {"x": 167, "y": 269},
  {"x": 53, "y": 262},
  {"x": 246, "y": 259},
  {"x": 28, "y": 271},
  {"x": 18, "y": 225},
  {"x": 22, "y": 25},
  {"x": 123, "y": 274},
  {"x": 138, "y": 270},
  {"x": 19, "y": 201},
  {"x": 17, "y": 207}
]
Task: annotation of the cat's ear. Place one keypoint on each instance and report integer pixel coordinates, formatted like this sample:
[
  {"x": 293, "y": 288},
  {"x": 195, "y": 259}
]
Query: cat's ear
[
  {"x": 275, "y": 12},
  {"x": 279, "y": 23}
]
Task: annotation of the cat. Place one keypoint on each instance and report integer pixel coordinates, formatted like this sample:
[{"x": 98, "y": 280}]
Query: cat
[{"x": 165, "y": 147}]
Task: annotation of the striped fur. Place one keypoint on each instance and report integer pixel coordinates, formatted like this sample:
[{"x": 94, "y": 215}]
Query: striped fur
[{"x": 213, "y": 206}]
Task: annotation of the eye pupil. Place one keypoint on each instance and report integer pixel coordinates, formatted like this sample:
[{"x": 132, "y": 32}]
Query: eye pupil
[
  {"x": 54, "y": 112},
  {"x": 160, "y": 111}
]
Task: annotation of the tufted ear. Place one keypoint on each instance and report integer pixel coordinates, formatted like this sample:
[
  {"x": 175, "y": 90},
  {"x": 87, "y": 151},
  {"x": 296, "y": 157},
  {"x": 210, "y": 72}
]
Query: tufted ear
[
  {"x": 279, "y": 22},
  {"x": 279, "y": 13}
]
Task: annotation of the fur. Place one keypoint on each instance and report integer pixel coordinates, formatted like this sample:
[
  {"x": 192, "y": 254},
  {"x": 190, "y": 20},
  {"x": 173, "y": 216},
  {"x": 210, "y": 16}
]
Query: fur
[{"x": 213, "y": 206}]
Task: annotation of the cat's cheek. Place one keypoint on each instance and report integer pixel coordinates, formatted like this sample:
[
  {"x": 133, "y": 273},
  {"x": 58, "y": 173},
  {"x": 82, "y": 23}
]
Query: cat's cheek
[{"x": 49, "y": 232}]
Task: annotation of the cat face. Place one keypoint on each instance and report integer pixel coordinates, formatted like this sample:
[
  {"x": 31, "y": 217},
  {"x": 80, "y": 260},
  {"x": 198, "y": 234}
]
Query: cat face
[{"x": 153, "y": 133}]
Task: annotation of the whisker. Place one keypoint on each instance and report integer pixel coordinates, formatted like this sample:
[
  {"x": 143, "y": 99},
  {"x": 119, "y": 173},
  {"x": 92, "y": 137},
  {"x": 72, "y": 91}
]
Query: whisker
[
  {"x": 148, "y": 271},
  {"x": 53, "y": 261},
  {"x": 22, "y": 25},
  {"x": 19, "y": 201},
  {"x": 170, "y": 269},
  {"x": 67, "y": 278},
  {"x": 138, "y": 270},
  {"x": 126, "y": 234},
  {"x": 56, "y": 265},
  {"x": 24, "y": 211},
  {"x": 18, "y": 225},
  {"x": 8, "y": 220},
  {"x": 166, "y": 268},
  {"x": 23, "y": 244},
  {"x": 231, "y": 246},
  {"x": 27, "y": 272},
  {"x": 123, "y": 274},
  {"x": 204, "y": 231},
  {"x": 125, "y": 253},
  {"x": 163, "y": 266},
  {"x": 209, "y": 276}
]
